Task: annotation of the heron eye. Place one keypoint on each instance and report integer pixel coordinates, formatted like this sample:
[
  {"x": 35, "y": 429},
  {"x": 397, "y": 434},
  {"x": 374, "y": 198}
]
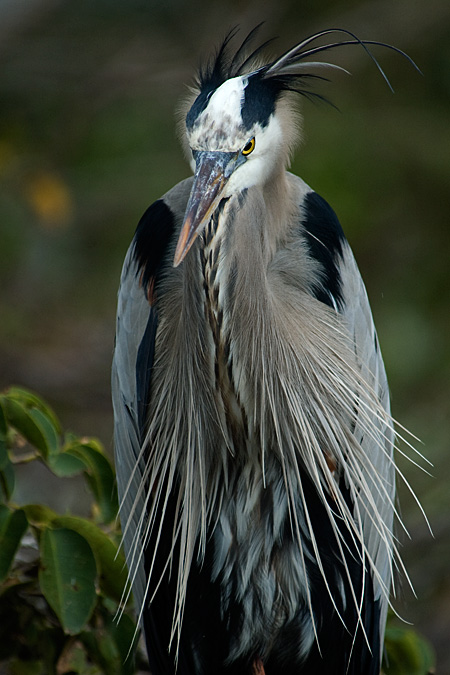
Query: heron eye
[{"x": 249, "y": 147}]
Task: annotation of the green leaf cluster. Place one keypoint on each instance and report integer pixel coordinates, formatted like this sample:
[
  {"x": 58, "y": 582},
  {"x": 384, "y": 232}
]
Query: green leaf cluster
[{"x": 62, "y": 577}]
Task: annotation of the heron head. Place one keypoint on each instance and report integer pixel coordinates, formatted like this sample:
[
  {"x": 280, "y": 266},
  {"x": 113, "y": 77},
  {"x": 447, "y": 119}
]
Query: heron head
[
  {"x": 243, "y": 123},
  {"x": 237, "y": 141}
]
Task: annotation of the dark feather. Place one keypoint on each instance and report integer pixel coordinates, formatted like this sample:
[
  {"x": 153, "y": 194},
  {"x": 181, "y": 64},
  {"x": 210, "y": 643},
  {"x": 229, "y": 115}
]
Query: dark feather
[
  {"x": 153, "y": 233},
  {"x": 224, "y": 66},
  {"x": 325, "y": 238}
]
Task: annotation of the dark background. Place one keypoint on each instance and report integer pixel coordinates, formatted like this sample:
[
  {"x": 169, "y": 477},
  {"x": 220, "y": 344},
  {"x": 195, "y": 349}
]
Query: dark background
[{"x": 88, "y": 140}]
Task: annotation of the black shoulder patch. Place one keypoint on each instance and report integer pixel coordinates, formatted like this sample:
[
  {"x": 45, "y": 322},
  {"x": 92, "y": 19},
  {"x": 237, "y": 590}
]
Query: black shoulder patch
[
  {"x": 152, "y": 237},
  {"x": 144, "y": 367},
  {"x": 325, "y": 237}
]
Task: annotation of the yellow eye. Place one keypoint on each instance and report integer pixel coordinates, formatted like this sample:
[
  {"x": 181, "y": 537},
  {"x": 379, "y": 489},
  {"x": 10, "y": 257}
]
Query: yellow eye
[{"x": 249, "y": 147}]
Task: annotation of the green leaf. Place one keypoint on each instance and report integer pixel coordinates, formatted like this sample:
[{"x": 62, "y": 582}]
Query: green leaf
[
  {"x": 111, "y": 645},
  {"x": 7, "y": 480},
  {"x": 33, "y": 419},
  {"x": 100, "y": 476},
  {"x": 7, "y": 475},
  {"x": 39, "y": 515},
  {"x": 48, "y": 430},
  {"x": 66, "y": 464},
  {"x": 110, "y": 563},
  {"x": 24, "y": 422},
  {"x": 12, "y": 531},
  {"x": 123, "y": 632},
  {"x": 31, "y": 400},
  {"x": 67, "y": 577},
  {"x": 109, "y": 654},
  {"x": 73, "y": 443},
  {"x": 4, "y": 459},
  {"x": 4, "y": 516},
  {"x": 407, "y": 653}
]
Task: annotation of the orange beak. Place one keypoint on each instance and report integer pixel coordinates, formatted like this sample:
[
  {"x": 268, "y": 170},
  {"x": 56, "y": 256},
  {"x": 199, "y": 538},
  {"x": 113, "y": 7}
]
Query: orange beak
[{"x": 211, "y": 176}]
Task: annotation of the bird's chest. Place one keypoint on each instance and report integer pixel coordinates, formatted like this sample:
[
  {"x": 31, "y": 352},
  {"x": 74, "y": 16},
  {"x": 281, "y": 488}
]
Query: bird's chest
[
  {"x": 256, "y": 560},
  {"x": 255, "y": 557},
  {"x": 227, "y": 372}
]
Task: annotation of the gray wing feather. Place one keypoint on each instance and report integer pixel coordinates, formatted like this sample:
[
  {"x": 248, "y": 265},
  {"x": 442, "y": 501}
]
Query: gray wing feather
[
  {"x": 379, "y": 449},
  {"x": 132, "y": 317}
]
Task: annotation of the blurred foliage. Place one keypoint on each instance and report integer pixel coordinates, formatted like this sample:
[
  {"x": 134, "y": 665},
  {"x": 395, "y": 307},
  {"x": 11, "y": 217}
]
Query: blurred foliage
[
  {"x": 62, "y": 577},
  {"x": 406, "y": 652},
  {"x": 88, "y": 140}
]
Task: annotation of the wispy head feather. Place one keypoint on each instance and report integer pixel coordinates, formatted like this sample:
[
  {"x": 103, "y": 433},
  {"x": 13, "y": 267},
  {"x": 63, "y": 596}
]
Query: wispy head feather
[{"x": 289, "y": 72}]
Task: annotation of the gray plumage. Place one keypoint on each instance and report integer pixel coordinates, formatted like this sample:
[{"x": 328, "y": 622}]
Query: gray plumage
[{"x": 266, "y": 407}]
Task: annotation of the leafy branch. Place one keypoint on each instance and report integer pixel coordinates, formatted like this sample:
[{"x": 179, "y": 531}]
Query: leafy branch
[{"x": 61, "y": 576}]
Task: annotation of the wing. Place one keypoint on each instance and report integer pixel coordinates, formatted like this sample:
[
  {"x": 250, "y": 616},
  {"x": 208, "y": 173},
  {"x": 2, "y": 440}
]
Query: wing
[
  {"x": 150, "y": 252},
  {"x": 378, "y": 447},
  {"x": 342, "y": 288}
]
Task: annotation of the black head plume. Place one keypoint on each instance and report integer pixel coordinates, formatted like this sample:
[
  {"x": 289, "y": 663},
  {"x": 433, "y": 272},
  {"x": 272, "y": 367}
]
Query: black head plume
[{"x": 292, "y": 71}]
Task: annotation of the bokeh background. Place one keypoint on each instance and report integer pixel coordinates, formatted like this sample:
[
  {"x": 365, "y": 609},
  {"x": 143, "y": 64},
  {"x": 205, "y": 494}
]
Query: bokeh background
[{"x": 88, "y": 140}]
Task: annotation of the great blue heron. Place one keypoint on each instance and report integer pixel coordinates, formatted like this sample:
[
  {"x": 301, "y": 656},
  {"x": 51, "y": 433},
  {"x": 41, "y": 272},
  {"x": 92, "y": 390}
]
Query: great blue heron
[{"x": 253, "y": 438}]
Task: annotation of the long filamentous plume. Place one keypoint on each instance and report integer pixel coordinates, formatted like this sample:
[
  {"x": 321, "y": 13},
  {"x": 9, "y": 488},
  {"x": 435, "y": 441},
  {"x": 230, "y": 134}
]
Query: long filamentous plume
[{"x": 290, "y": 420}]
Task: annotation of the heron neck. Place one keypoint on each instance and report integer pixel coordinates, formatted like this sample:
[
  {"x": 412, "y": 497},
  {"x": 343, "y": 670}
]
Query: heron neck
[{"x": 239, "y": 243}]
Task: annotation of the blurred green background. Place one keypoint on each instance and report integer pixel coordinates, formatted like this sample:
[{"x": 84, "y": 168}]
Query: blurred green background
[{"x": 88, "y": 140}]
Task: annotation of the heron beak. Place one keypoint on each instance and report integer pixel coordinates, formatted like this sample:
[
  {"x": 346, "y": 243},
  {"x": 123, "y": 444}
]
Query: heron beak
[{"x": 211, "y": 175}]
